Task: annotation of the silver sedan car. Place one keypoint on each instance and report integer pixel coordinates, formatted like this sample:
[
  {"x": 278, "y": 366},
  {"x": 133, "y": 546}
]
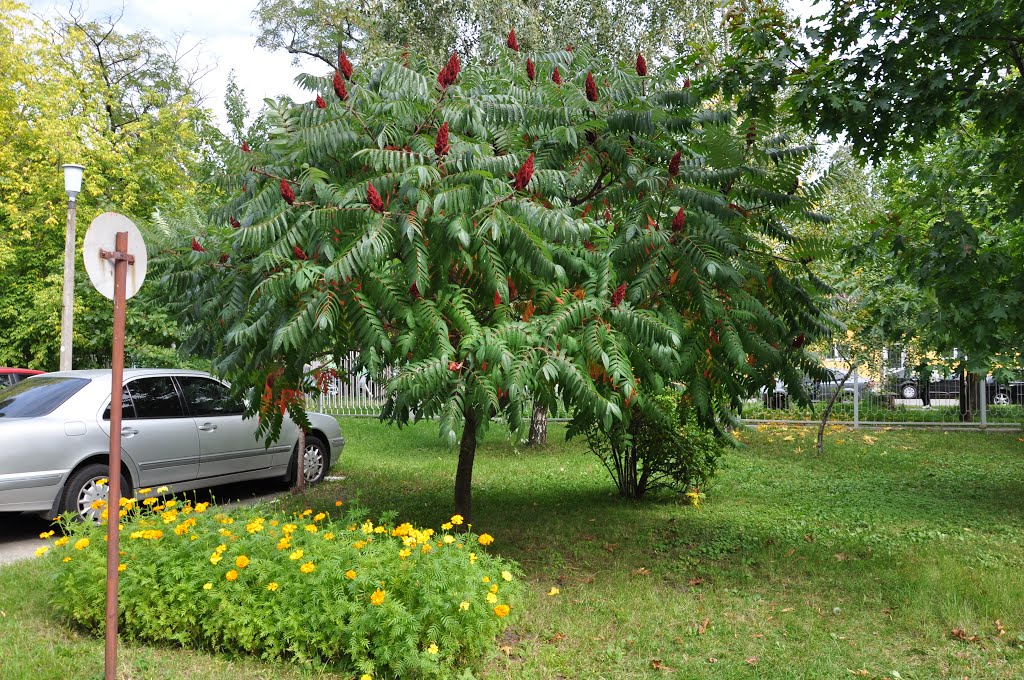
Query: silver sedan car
[{"x": 180, "y": 429}]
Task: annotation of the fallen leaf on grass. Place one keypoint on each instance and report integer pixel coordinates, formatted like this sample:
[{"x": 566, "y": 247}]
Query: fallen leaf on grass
[
  {"x": 642, "y": 571},
  {"x": 1000, "y": 631},
  {"x": 703, "y": 626},
  {"x": 712, "y": 660},
  {"x": 588, "y": 538},
  {"x": 860, "y": 672},
  {"x": 869, "y": 440},
  {"x": 788, "y": 609},
  {"x": 757, "y": 635},
  {"x": 752, "y": 660},
  {"x": 558, "y": 637},
  {"x": 586, "y": 579},
  {"x": 610, "y": 547},
  {"x": 841, "y": 557},
  {"x": 506, "y": 649},
  {"x": 809, "y": 538},
  {"x": 961, "y": 634},
  {"x": 788, "y": 438},
  {"x": 695, "y": 581},
  {"x": 554, "y": 591},
  {"x": 657, "y": 665}
]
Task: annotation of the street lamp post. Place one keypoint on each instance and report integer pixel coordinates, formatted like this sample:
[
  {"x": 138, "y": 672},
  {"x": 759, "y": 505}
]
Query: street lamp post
[{"x": 72, "y": 186}]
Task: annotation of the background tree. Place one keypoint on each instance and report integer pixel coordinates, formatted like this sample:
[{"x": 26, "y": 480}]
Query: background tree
[
  {"x": 505, "y": 233},
  {"x": 120, "y": 104}
]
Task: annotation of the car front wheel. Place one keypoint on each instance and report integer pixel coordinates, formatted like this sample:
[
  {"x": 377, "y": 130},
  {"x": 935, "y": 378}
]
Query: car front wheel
[
  {"x": 315, "y": 460},
  {"x": 85, "y": 495},
  {"x": 909, "y": 392},
  {"x": 1001, "y": 398}
]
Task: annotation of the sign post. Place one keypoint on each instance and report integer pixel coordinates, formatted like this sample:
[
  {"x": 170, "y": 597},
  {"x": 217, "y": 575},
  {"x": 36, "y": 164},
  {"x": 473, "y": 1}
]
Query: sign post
[{"x": 108, "y": 271}]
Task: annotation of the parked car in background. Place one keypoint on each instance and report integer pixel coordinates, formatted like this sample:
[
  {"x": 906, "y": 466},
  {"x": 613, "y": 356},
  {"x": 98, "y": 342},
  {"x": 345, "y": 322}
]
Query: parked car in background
[
  {"x": 822, "y": 390},
  {"x": 10, "y": 376},
  {"x": 948, "y": 387},
  {"x": 179, "y": 428}
]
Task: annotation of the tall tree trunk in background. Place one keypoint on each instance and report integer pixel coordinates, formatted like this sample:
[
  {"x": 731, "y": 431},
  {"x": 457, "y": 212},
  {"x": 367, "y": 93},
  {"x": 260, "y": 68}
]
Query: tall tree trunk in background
[
  {"x": 538, "y": 426},
  {"x": 968, "y": 396},
  {"x": 464, "y": 472},
  {"x": 831, "y": 403}
]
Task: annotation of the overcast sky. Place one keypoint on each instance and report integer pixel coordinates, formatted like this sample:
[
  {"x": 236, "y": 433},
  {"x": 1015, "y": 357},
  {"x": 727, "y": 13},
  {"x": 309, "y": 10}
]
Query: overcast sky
[{"x": 226, "y": 35}]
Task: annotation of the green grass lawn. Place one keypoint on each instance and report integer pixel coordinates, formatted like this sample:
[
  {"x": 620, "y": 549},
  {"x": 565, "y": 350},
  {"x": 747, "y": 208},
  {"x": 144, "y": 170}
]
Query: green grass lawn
[{"x": 860, "y": 563}]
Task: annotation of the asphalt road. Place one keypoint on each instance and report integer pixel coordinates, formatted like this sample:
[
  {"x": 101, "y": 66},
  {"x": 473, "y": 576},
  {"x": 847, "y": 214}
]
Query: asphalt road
[{"x": 19, "y": 533}]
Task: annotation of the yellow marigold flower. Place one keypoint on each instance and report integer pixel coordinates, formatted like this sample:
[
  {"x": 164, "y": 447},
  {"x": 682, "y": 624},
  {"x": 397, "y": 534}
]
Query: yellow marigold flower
[
  {"x": 207, "y": 586},
  {"x": 274, "y": 522},
  {"x": 351, "y": 527},
  {"x": 554, "y": 591},
  {"x": 319, "y": 516},
  {"x": 367, "y": 527},
  {"x": 171, "y": 503},
  {"x": 404, "y": 552},
  {"x": 337, "y": 504},
  {"x": 82, "y": 544},
  {"x": 494, "y": 588},
  {"x": 311, "y": 528},
  {"x": 162, "y": 489},
  {"x": 426, "y": 548},
  {"x": 472, "y": 558},
  {"x": 507, "y": 575},
  {"x": 46, "y": 534},
  {"x": 102, "y": 481},
  {"x": 328, "y": 536},
  {"x": 364, "y": 676},
  {"x": 359, "y": 545},
  {"x": 457, "y": 519},
  {"x": 289, "y": 528},
  {"x": 215, "y": 558},
  {"x": 284, "y": 543},
  {"x": 221, "y": 548},
  {"x": 502, "y": 610},
  {"x": 150, "y": 501},
  {"x": 42, "y": 550},
  {"x": 449, "y": 539},
  {"x": 231, "y": 575},
  {"x": 98, "y": 504},
  {"x": 241, "y": 561},
  {"x": 202, "y": 507},
  {"x": 272, "y": 586},
  {"x": 485, "y": 539},
  {"x": 169, "y": 516},
  {"x": 486, "y": 579},
  {"x": 350, "y": 575},
  {"x": 254, "y": 527},
  {"x": 225, "y": 532},
  {"x": 492, "y": 598},
  {"x": 432, "y": 649},
  {"x": 146, "y": 490},
  {"x": 122, "y": 567},
  {"x": 379, "y": 530},
  {"x": 297, "y": 555},
  {"x": 447, "y": 526},
  {"x": 378, "y": 597},
  {"x": 62, "y": 541},
  {"x": 306, "y": 513},
  {"x": 67, "y": 559},
  {"x": 307, "y": 568},
  {"x": 464, "y": 606}
]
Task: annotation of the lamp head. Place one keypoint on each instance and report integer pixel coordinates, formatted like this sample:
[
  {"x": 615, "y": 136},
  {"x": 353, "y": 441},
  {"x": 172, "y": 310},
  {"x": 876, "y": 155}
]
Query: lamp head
[{"x": 73, "y": 180}]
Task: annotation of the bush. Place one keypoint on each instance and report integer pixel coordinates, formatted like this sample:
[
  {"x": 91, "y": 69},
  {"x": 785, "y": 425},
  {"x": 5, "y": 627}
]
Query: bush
[
  {"x": 663, "y": 447},
  {"x": 384, "y": 600}
]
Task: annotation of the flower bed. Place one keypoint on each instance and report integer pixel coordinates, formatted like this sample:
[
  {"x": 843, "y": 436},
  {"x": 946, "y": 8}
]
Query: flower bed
[{"x": 381, "y": 599}]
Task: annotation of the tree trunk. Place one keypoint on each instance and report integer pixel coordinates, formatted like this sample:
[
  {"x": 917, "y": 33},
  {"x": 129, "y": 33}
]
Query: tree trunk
[
  {"x": 828, "y": 409},
  {"x": 968, "y": 396},
  {"x": 538, "y": 426},
  {"x": 464, "y": 473},
  {"x": 300, "y": 464}
]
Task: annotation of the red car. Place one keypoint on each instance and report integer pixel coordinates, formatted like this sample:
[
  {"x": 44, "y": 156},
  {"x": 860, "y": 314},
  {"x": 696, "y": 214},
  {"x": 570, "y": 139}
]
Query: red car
[{"x": 10, "y": 376}]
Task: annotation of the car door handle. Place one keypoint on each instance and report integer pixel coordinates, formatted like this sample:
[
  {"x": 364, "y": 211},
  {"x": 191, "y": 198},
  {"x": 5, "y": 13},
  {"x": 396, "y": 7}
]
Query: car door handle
[
  {"x": 207, "y": 427},
  {"x": 128, "y": 432}
]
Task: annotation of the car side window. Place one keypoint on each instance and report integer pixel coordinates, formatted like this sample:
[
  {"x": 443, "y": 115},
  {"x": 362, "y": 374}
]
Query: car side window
[
  {"x": 207, "y": 397},
  {"x": 127, "y": 408},
  {"x": 155, "y": 398}
]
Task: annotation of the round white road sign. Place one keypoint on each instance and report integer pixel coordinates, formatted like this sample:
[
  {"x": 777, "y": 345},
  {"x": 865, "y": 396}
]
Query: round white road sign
[{"x": 101, "y": 235}]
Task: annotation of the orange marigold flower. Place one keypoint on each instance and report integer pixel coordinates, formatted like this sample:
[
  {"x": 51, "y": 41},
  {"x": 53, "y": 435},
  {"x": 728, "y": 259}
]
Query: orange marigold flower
[
  {"x": 377, "y": 597},
  {"x": 502, "y": 610}
]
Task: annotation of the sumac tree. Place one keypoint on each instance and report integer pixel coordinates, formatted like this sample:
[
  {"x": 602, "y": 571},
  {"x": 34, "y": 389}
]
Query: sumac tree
[{"x": 546, "y": 249}]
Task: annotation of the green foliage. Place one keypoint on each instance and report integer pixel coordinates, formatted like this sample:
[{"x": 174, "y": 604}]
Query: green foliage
[
  {"x": 390, "y": 601},
  {"x": 77, "y": 91},
  {"x": 667, "y": 450}
]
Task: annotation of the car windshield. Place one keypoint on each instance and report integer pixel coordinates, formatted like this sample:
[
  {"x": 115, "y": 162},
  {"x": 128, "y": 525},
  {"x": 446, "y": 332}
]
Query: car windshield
[{"x": 37, "y": 396}]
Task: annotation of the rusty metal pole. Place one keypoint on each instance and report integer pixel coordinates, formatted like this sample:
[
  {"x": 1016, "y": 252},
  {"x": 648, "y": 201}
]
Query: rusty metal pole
[{"x": 121, "y": 260}]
